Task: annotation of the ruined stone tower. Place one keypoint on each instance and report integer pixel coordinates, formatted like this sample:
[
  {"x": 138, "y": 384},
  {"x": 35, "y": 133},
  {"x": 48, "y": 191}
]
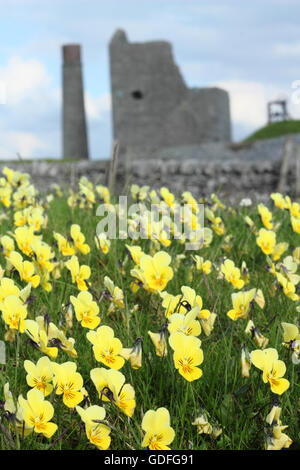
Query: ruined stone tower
[
  {"x": 75, "y": 143},
  {"x": 153, "y": 108}
]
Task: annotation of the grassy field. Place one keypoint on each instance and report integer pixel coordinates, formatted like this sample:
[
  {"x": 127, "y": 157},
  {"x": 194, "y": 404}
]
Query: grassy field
[{"x": 233, "y": 407}]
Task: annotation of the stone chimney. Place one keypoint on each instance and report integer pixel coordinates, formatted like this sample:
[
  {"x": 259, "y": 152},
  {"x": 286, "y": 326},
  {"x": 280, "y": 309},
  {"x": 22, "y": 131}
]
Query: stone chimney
[{"x": 75, "y": 144}]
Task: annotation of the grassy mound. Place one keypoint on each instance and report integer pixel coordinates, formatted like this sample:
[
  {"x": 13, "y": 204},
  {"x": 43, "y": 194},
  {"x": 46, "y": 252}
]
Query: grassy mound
[{"x": 275, "y": 129}]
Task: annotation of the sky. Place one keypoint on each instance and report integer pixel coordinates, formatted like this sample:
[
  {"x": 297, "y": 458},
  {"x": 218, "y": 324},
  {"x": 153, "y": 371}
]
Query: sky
[{"x": 251, "y": 49}]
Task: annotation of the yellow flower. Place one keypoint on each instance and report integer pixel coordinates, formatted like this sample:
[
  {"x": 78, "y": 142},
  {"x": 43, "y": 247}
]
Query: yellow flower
[
  {"x": 279, "y": 200},
  {"x": 159, "y": 341},
  {"x": 79, "y": 273},
  {"x": 102, "y": 242},
  {"x": 7, "y": 287},
  {"x": 134, "y": 354},
  {"x": 9, "y": 404},
  {"x": 245, "y": 362},
  {"x": 187, "y": 324},
  {"x": 279, "y": 249},
  {"x": 156, "y": 271},
  {"x": 14, "y": 313},
  {"x": 276, "y": 439},
  {"x": 24, "y": 237},
  {"x": 241, "y": 302},
  {"x": 291, "y": 337},
  {"x": 39, "y": 375},
  {"x": 64, "y": 246},
  {"x": 266, "y": 216},
  {"x": 68, "y": 382},
  {"x": 171, "y": 303},
  {"x": 106, "y": 347},
  {"x": 207, "y": 322},
  {"x": 202, "y": 265},
  {"x": 158, "y": 432},
  {"x": 288, "y": 267},
  {"x": 5, "y": 196},
  {"x": 295, "y": 210},
  {"x": 245, "y": 273},
  {"x": 205, "y": 427},
  {"x": 110, "y": 385},
  {"x": 8, "y": 245},
  {"x": 168, "y": 197},
  {"x": 103, "y": 192},
  {"x": 266, "y": 240},
  {"x": 259, "y": 339},
  {"x": 296, "y": 255},
  {"x": 37, "y": 413},
  {"x": 96, "y": 431},
  {"x": 25, "y": 269},
  {"x": 232, "y": 274},
  {"x": 273, "y": 369},
  {"x": 39, "y": 339},
  {"x": 115, "y": 294},
  {"x": 138, "y": 193},
  {"x": 187, "y": 355},
  {"x": 79, "y": 240},
  {"x": 86, "y": 310},
  {"x": 43, "y": 255},
  {"x": 295, "y": 224},
  {"x": 289, "y": 288},
  {"x": 56, "y": 337}
]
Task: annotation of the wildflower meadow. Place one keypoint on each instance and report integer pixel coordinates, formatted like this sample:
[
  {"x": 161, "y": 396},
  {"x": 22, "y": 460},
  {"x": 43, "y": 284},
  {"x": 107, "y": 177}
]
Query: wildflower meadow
[{"x": 157, "y": 338}]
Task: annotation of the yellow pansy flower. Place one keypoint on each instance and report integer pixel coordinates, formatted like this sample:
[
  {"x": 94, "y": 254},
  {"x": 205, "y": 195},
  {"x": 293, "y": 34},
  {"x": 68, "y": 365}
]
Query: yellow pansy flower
[
  {"x": 68, "y": 382},
  {"x": 37, "y": 413},
  {"x": 241, "y": 304},
  {"x": 266, "y": 240},
  {"x": 79, "y": 239},
  {"x": 232, "y": 274},
  {"x": 80, "y": 274},
  {"x": 273, "y": 369},
  {"x": 187, "y": 355},
  {"x": 39, "y": 375},
  {"x": 106, "y": 347},
  {"x": 96, "y": 431},
  {"x": 86, "y": 310},
  {"x": 110, "y": 385},
  {"x": 158, "y": 432}
]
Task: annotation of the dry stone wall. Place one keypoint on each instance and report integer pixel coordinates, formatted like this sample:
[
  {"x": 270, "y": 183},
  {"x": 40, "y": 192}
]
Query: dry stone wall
[{"x": 248, "y": 171}]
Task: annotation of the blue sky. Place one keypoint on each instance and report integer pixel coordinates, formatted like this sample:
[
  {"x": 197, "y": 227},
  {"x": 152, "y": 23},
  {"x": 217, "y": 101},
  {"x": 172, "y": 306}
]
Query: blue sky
[{"x": 252, "y": 49}]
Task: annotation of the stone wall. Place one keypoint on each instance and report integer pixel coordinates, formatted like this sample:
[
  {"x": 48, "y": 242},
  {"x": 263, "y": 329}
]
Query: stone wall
[
  {"x": 234, "y": 176},
  {"x": 152, "y": 107}
]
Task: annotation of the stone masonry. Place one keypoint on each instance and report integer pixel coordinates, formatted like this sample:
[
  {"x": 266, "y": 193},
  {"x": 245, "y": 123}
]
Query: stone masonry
[
  {"x": 152, "y": 107},
  {"x": 249, "y": 171},
  {"x": 75, "y": 144}
]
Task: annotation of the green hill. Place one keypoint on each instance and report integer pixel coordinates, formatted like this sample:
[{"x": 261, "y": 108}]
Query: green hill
[{"x": 275, "y": 129}]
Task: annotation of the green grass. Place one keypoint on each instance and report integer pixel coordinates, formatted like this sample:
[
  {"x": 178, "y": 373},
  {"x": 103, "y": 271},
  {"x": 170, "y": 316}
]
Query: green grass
[
  {"x": 275, "y": 129},
  {"x": 240, "y": 405}
]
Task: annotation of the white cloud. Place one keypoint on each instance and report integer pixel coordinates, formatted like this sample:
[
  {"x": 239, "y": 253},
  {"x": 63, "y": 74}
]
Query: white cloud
[
  {"x": 97, "y": 107},
  {"x": 23, "y": 78},
  {"x": 30, "y": 116},
  {"x": 23, "y": 143},
  {"x": 248, "y": 102}
]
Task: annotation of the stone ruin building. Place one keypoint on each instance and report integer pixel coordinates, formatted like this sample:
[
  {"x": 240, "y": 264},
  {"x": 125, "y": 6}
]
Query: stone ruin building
[{"x": 153, "y": 109}]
